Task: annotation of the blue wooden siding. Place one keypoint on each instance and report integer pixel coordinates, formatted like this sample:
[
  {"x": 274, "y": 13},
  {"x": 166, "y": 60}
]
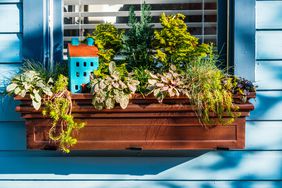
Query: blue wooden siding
[
  {"x": 10, "y": 48},
  {"x": 11, "y": 23},
  {"x": 258, "y": 166}
]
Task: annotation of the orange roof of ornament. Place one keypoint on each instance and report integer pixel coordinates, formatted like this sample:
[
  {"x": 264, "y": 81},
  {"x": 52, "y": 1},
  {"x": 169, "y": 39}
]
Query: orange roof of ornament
[{"x": 82, "y": 50}]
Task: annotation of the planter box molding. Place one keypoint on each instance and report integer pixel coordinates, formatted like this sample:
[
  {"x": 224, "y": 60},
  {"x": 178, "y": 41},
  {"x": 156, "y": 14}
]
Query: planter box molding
[{"x": 144, "y": 124}]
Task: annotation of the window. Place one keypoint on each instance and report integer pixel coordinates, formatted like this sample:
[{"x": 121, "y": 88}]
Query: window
[
  {"x": 82, "y": 16},
  {"x": 43, "y": 43}
]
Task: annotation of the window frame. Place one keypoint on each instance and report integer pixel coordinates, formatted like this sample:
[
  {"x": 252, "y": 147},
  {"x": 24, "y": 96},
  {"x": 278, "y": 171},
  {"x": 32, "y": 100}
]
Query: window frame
[
  {"x": 43, "y": 31},
  {"x": 238, "y": 44}
]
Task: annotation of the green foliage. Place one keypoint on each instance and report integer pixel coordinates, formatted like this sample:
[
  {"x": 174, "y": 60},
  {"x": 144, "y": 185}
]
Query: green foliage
[
  {"x": 37, "y": 81},
  {"x": 137, "y": 41},
  {"x": 45, "y": 74},
  {"x": 34, "y": 79},
  {"x": 167, "y": 84},
  {"x": 60, "y": 68},
  {"x": 240, "y": 86},
  {"x": 36, "y": 66},
  {"x": 31, "y": 82},
  {"x": 109, "y": 42},
  {"x": 207, "y": 92},
  {"x": 182, "y": 67},
  {"x": 112, "y": 89},
  {"x": 61, "y": 84},
  {"x": 142, "y": 75},
  {"x": 175, "y": 45},
  {"x": 103, "y": 70},
  {"x": 58, "y": 108}
]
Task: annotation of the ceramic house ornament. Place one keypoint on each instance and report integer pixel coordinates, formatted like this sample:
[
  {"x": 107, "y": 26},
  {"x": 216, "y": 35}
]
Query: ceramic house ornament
[{"x": 83, "y": 60}]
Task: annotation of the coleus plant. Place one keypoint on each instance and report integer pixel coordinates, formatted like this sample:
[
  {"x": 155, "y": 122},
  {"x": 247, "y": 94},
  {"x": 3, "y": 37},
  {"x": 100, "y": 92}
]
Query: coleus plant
[{"x": 113, "y": 88}]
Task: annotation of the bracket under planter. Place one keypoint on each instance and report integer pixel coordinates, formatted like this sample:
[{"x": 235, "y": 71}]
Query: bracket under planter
[{"x": 144, "y": 125}]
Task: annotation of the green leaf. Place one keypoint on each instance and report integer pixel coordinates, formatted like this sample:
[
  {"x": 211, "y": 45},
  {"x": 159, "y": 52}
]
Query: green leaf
[
  {"x": 132, "y": 88},
  {"x": 26, "y": 85},
  {"x": 47, "y": 91},
  {"x": 37, "y": 97},
  {"x": 11, "y": 87},
  {"x": 40, "y": 84},
  {"x": 36, "y": 104},
  {"x": 152, "y": 81},
  {"x": 17, "y": 90},
  {"x": 156, "y": 92},
  {"x": 112, "y": 67},
  {"x": 50, "y": 81},
  {"x": 110, "y": 103},
  {"x": 23, "y": 93},
  {"x": 124, "y": 100}
]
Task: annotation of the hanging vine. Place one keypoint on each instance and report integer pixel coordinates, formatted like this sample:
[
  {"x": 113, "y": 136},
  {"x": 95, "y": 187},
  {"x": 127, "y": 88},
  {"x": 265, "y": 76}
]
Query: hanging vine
[{"x": 59, "y": 108}]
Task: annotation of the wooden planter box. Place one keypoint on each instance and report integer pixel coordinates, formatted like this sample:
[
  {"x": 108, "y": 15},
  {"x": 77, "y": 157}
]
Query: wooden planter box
[{"x": 145, "y": 124}]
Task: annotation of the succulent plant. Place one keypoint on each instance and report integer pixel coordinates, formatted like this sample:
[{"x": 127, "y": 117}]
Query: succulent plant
[{"x": 113, "y": 89}]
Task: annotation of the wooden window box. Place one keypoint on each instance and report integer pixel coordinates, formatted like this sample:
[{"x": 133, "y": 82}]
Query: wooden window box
[{"x": 145, "y": 124}]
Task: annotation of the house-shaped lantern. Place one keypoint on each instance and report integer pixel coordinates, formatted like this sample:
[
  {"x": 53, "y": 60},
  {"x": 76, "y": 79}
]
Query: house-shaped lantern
[{"x": 83, "y": 60}]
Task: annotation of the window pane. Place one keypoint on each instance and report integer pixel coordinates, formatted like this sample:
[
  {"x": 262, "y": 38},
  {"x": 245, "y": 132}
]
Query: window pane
[{"x": 82, "y": 16}]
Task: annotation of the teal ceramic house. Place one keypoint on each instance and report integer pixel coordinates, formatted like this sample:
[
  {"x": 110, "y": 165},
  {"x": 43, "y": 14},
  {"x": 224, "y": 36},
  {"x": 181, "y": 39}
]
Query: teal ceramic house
[
  {"x": 82, "y": 60},
  {"x": 251, "y": 30}
]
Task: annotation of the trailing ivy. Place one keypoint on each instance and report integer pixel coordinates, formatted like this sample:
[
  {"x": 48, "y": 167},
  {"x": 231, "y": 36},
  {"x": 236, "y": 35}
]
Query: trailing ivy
[
  {"x": 59, "y": 108},
  {"x": 37, "y": 83}
]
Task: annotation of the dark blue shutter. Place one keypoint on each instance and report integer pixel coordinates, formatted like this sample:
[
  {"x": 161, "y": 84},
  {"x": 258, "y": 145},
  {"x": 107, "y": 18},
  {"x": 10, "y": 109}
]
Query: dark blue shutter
[{"x": 37, "y": 40}]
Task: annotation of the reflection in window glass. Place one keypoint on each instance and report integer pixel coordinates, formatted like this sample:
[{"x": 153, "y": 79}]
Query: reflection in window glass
[{"x": 82, "y": 16}]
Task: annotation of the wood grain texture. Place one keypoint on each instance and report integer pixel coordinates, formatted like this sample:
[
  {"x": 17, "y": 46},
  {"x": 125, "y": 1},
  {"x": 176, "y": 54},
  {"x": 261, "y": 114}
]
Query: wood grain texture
[
  {"x": 159, "y": 135},
  {"x": 144, "y": 124},
  {"x": 254, "y": 129}
]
